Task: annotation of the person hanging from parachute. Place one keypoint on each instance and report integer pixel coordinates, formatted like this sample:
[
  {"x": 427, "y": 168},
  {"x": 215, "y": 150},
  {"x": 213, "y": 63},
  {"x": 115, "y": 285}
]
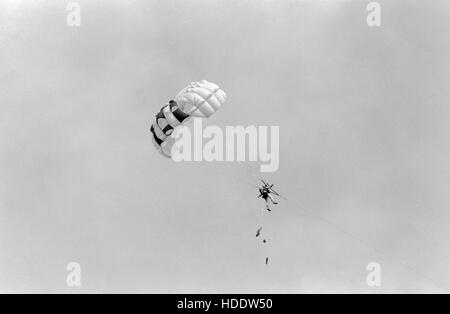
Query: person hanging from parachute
[{"x": 266, "y": 192}]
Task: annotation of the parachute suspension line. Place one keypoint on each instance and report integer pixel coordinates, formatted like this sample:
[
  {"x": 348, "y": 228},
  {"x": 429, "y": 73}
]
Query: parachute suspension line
[
  {"x": 264, "y": 239},
  {"x": 262, "y": 218}
]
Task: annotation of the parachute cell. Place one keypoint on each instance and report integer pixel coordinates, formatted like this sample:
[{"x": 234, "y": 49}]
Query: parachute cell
[{"x": 201, "y": 99}]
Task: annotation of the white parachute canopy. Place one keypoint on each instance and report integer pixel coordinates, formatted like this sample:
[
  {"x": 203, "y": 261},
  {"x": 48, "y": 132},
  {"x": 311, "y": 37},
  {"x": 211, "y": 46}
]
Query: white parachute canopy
[{"x": 198, "y": 99}]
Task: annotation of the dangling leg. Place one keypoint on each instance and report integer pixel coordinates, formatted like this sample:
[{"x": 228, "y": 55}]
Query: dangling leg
[
  {"x": 271, "y": 198},
  {"x": 267, "y": 205}
]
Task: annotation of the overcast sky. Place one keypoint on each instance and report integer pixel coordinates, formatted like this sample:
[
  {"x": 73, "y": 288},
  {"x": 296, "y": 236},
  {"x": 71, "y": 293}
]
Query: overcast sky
[{"x": 364, "y": 146}]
